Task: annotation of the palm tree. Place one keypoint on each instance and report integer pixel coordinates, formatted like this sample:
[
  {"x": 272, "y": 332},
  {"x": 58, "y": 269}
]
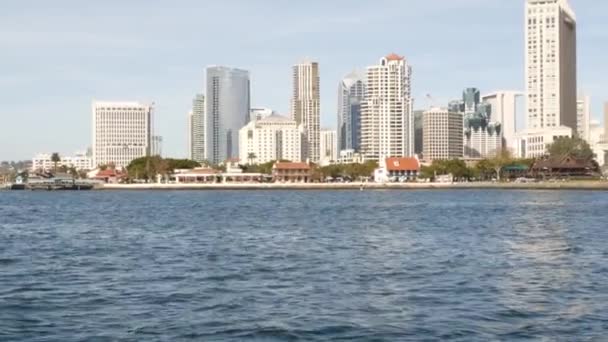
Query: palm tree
[
  {"x": 251, "y": 157},
  {"x": 55, "y": 158}
]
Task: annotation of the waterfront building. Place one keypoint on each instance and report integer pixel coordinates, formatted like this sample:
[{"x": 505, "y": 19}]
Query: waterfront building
[
  {"x": 328, "y": 145},
  {"x": 504, "y": 111},
  {"x": 443, "y": 134},
  {"x": 583, "y": 117},
  {"x": 227, "y": 109},
  {"x": 271, "y": 138},
  {"x": 350, "y": 157},
  {"x": 550, "y": 64},
  {"x": 79, "y": 161},
  {"x": 351, "y": 94},
  {"x": 122, "y": 131},
  {"x": 197, "y": 129},
  {"x": 387, "y": 121},
  {"x": 306, "y": 106},
  {"x": 287, "y": 172},
  {"x": 482, "y": 135},
  {"x": 397, "y": 169},
  {"x": 260, "y": 113},
  {"x": 532, "y": 143}
]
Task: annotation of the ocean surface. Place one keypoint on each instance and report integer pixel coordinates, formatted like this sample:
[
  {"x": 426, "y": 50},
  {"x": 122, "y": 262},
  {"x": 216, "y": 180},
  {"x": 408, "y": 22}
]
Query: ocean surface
[{"x": 304, "y": 266}]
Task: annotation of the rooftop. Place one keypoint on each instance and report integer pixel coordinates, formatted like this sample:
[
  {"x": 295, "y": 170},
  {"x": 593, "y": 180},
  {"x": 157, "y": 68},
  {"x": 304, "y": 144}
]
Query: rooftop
[{"x": 402, "y": 164}]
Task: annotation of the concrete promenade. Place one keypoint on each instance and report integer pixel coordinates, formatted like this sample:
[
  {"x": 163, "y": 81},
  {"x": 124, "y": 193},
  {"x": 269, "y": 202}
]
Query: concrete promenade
[{"x": 574, "y": 185}]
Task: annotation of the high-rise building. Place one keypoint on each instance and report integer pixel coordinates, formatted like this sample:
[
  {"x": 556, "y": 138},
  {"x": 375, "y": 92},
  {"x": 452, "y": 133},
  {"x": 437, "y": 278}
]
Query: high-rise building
[
  {"x": 306, "y": 106},
  {"x": 482, "y": 135},
  {"x": 583, "y": 117},
  {"x": 268, "y": 139},
  {"x": 227, "y": 105},
  {"x": 550, "y": 38},
  {"x": 387, "y": 120},
  {"x": 189, "y": 135},
  {"x": 156, "y": 148},
  {"x": 418, "y": 131},
  {"x": 197, "y": 129},
  {"x": 328, "y": 146},
  {"x": 443, "y": 134},
  {"x": 351, "y": 93},
  {"x": 122, "y": 131},
  {"x": 504, "y": 111}
]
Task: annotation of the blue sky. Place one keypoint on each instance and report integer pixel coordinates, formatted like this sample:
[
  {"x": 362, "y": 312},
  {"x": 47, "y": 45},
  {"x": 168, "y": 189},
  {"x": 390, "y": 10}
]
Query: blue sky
[{"x": 57, "y": 56}]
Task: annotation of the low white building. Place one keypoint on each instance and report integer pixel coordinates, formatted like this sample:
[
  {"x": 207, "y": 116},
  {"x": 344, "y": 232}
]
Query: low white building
[
  {"x": 268, "y": 139},
  {"x": 79, "y": 161},
  {"x": 350, "y": 157},
  {"x": 532, "y": 143}
]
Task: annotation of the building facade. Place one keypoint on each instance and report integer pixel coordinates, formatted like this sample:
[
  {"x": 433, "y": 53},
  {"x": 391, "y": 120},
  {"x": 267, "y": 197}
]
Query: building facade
[
  {"x": 122, "y": 131},
  {"x": 328, "y": 147},
  {"x": 504, "y": 111},
  {"x": 79, "y": 161},
  {"x": 418, "y": 131},
  {"x": 306, "y": 106},
  {"x": 443, "y": 134},
  {"x": 387, "y": 120},
  {"x": 271, "y": 138},
  {"x": 532, "y": 143},
  {"x": 550, "y": 64},
  {"x": 583, "y": 117},
  {"x": 260, "y": 113},
  {"x": 227, "y": 107},
  {"x": 197, "y": 129},
  {"x": 156, "y": 148},
  {"x": 351, "y": 94}
]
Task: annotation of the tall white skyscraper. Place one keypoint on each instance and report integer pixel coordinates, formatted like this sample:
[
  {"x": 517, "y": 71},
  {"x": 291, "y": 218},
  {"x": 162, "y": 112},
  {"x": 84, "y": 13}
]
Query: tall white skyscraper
[
  {"x": 197, "y": 129},
  {"x": 504, "y": 111},
  {"x": 387, "y": 120},
  {"x": 306, "y": 106},
  {"x": 227, "y": 105},
  {"x": 328, "y": 146},
  {"x": 550, "y": 38},
  {"x": 351, "y": 93},
  {"x": 122, "y": 131},
  {"x": 583, "y": 117}
]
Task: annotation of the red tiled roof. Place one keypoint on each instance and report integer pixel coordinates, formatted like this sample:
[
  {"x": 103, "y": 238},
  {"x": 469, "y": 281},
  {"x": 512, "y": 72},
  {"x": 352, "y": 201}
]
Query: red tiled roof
[
  {"x": 291, "y": 166},
  {"x": 402, "y": 164},
  {"x": 394, "y": 57}
]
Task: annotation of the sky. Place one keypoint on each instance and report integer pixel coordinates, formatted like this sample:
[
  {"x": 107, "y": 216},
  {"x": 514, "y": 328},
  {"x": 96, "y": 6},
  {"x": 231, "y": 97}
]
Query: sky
[{"x": 58, "y": 56}]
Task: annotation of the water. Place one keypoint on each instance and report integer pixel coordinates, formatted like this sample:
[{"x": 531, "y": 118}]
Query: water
[{"x": 304, "y": 266}]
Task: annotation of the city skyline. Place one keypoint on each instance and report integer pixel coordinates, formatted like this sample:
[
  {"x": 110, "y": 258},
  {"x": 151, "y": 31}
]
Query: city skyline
[{"x": 103, "y": 63}]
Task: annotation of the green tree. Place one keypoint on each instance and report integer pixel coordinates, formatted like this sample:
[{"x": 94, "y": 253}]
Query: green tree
[
  {"x": 499, "y": 161},
  {"x": 55, "y": 158},
  {"x": 251, "y": 157},
  {"x": 566, "y": 146}
]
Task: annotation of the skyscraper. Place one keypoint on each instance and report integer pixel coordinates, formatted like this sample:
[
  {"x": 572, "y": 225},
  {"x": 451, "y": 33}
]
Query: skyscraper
[
  {"x": 227, "y": 106},
  {"x": 482, "y": 135},
  {"x": 197, "y": 129},
  {"x": 306, "y": 106},
  {"x": 387, "y": 120},
  {"x": 443, "y": 134},
  {"x": 504, "y": 111},
  {"x": 122, "y": 131},
  {"x": 328, "y": 143},
  {"x": 550, "y": 39},
  {"x": 351, "y": 93}
]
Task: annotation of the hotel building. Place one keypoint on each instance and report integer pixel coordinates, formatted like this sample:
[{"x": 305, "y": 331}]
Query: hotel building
[
  {"x": 306, "y": 106},
  {"x": 271, "y": 138}
]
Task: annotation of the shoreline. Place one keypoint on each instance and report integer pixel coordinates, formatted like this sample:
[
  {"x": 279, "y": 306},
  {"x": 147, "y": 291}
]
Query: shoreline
[{"x": 574, "y": 185}]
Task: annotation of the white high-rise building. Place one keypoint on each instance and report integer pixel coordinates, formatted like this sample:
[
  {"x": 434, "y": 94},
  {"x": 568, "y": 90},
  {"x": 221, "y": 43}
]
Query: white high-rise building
[
  {"x": 156, "y": 148},
  {"x": 583, "y": 117},
  {"x": 482, "y": 135},
  {"x": 351, "y": 94},
  {"x": 550, "y": 64},
  {"x": 328, "y": 146},
  {"x": 268, "y": 139},
  {"x": 197, "y": 129},
  {"x": 504, "y": 111},
  {"x": 227, "y": 106},
  {"x": 122, "y": 131},
  {"x": 306, "y": 106},
  {"x": 387, "y": 120},
  {"x": 442, "y": 134}
]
